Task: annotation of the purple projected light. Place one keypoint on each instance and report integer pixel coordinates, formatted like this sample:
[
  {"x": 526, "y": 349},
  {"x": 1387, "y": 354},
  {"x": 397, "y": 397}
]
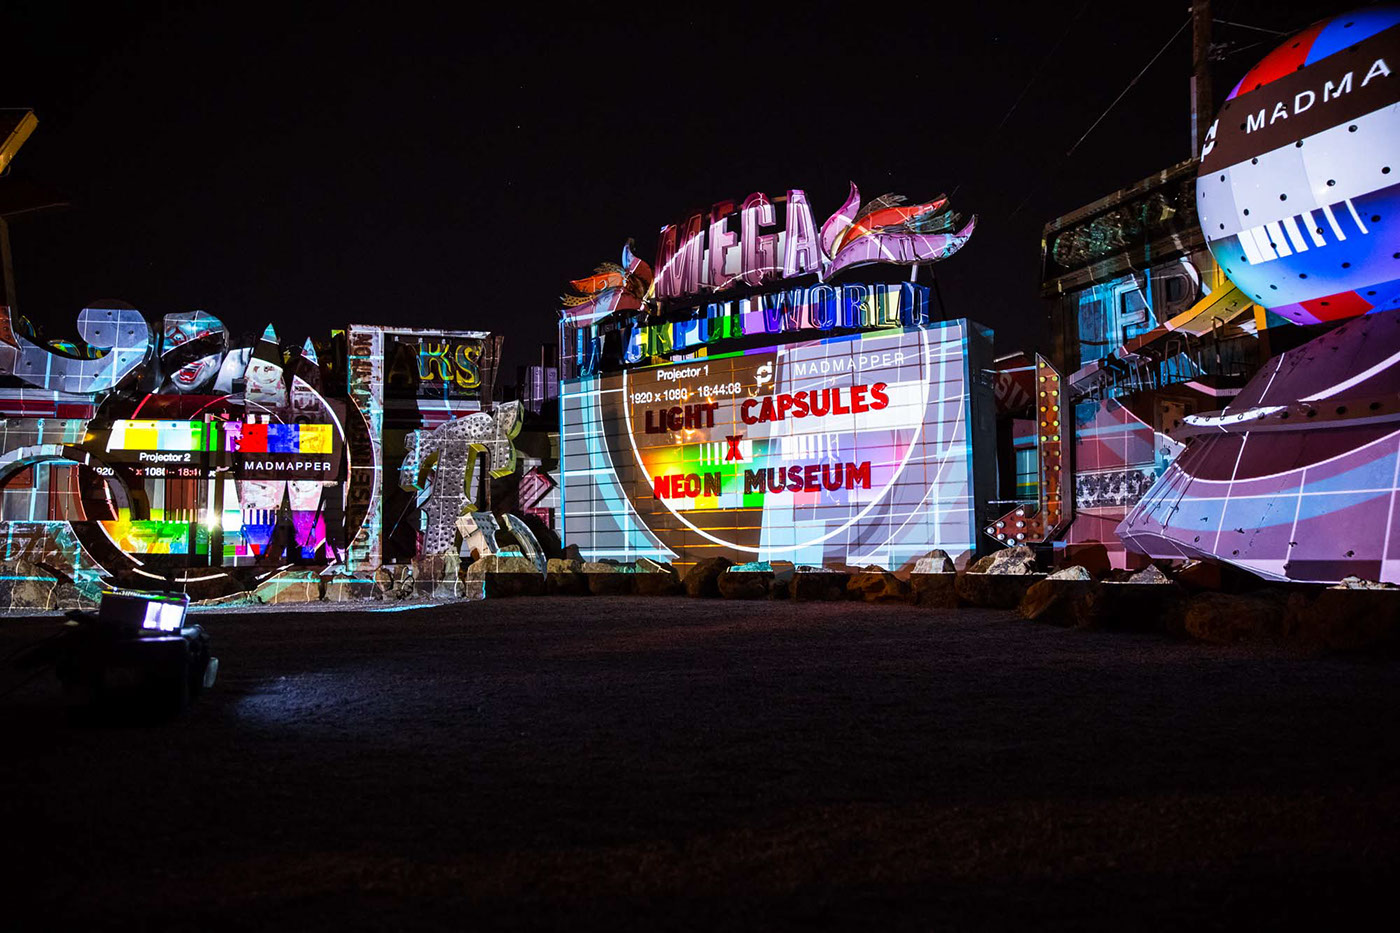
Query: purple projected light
[{"x": 1297, "y": 479}]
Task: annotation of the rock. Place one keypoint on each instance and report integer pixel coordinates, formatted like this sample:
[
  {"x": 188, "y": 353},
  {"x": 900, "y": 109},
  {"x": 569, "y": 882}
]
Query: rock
[
  {"x": 780, "y": 572},
  {"x": 508, "y": 572},
  {"x": 604, "y": 566},
  {"x": 564, "y": 577},
  {"x": 435, "y": 576},
  {"x": 995, "y": 590},
  {"x": 609, "y": 577},
  {"x": 1150, "y": 575},
  {"x": 937, "y": 590},
  {"x": 229, "y": 600},
  {"x": 26, "y": 586},
  {"x": 879, "y": 586},
  {"x": 1356, "y": 583},
  {"x": 817, "y": 584},
  {"x": 655, "y": 578},
  {"x": 1092, "y": 556},
  {"x": 1226, "y": 618},
  {"x": 400, "y": 580},
  {"x": 290, "y": 586},
  {"x": 981, "y": 564},
  {"x": 1071, "y": 602},
  {"x": 1071, "y": 573},
  {"x": 739, "y": 583},
  {"x": 353, "y": 586},
  {"x": 70, "y": 596},
  {"x": 1016, "y": 560},
  {"x": 563, "y": 565},
  {"x": 566, "y": 582},
  {"x": 657, "y": 584},
  {"x": 1351, "y": 619},
  {"x": 504, "y": 563},
  {"x": 935, "y": 561},
  {"x": 502, "y": 584},
  {"x": 702, "y": 579},
  {"x": 610, "y": 582}
]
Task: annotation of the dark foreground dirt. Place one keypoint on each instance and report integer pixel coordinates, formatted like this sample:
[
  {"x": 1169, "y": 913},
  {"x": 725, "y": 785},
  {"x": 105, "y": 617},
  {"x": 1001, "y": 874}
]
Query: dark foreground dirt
[{"x": 605, "y": 764}]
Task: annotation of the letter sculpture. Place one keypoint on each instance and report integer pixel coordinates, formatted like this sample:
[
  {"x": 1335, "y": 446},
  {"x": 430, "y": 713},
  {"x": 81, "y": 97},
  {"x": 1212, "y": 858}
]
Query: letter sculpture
[{"x": 441, "y": 463}]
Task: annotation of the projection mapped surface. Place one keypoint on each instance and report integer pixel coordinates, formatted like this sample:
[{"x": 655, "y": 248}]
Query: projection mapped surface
[
  {"x": 851, "y": 450},
  {"x": 118, "y": 459},
  {"x": 1297, "y": 478},
  {"x": 1299, "y": 183}
]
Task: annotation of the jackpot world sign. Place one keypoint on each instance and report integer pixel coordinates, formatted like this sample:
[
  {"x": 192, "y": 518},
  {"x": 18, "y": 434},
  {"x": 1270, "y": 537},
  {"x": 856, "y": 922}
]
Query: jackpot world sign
[{"x": 812, "y": 443}]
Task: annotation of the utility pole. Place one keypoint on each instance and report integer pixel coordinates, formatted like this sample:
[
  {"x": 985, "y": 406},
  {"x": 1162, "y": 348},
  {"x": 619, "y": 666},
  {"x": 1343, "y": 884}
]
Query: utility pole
[
  {"x": 1201, "y": 102},
  {"x": 8, "y": 265},
  {"x": 15, "y": 127}
]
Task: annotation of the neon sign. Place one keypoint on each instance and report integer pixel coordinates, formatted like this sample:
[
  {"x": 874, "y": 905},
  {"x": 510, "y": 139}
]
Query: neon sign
[
  {"x": 707, "y": 253},
  {"x": 841, "y": 431},
  {"x": 851, "y": 449}
]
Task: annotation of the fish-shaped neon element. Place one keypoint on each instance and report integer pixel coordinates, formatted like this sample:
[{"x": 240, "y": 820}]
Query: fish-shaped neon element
[{"x": 893, "y": 232}]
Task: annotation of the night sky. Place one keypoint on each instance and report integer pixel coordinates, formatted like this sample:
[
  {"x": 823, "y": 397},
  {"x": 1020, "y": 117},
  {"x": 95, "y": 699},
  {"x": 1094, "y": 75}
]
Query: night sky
[{"x": 386, "y": 164}]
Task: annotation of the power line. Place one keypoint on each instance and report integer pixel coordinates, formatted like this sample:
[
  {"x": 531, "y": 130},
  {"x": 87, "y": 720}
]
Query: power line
[
  {"x": 1109, "y": 109},
  {"x": 1130, "y": 86},
  {"x": 1029, "y": 83},
  {"x": 1272, "y": 32}
]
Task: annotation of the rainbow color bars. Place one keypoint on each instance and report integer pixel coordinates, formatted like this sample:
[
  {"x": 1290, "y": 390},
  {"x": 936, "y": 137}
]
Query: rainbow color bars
[
  {"x": 158, "y": 435},
  {"x": 280, "y": 438},
  {"x": 246, "y": 438}
]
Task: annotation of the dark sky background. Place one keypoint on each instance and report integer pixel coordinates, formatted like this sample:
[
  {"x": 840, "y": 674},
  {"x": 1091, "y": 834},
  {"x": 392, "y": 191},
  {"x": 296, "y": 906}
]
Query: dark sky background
[{"x": 314, "y": 166}]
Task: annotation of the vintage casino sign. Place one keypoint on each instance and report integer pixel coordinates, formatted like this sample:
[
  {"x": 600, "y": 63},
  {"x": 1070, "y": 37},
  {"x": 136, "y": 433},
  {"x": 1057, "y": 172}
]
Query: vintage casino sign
[
  {"x": 437, "y": 366},
  {"x": 849, "y": 450},
  {"x": 819, "y": 307},
  {"x": 735, "y": 271},
  {"x": 1299, "y": 183},
  {"x": 839, "y": 431},
  {"x": 736, "y": 245}
]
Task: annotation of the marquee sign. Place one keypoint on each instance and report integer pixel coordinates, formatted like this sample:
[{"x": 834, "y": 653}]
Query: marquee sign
[
  {"x": 741, "y": 245},
  {"x": 438, "y": 366},
  {"x": 733, "y": 272},
  {"x": 849, "y": 450},
  {"x": 741, "y": 400}
]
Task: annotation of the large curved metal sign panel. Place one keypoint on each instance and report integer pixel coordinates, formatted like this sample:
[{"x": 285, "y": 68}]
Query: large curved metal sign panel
[
  {"x": 845, "y": 451},
  {"x": 1299, "y": 183}
]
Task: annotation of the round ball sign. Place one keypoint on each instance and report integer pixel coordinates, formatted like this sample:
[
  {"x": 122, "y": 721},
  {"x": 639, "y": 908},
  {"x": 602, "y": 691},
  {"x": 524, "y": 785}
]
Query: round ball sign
[{"x": 1298, "y": 190}]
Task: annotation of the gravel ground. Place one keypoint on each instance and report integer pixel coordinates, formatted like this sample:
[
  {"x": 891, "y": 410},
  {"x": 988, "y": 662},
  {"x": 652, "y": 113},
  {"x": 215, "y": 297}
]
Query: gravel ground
[{"x": 605, "y": 764}]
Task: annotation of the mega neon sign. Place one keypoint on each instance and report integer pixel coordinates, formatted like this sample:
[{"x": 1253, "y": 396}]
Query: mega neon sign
[
  {"x": 741, "y": 400},
  {"x": 702, "y": 291},
  {"x": 737, "y": 244}
]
